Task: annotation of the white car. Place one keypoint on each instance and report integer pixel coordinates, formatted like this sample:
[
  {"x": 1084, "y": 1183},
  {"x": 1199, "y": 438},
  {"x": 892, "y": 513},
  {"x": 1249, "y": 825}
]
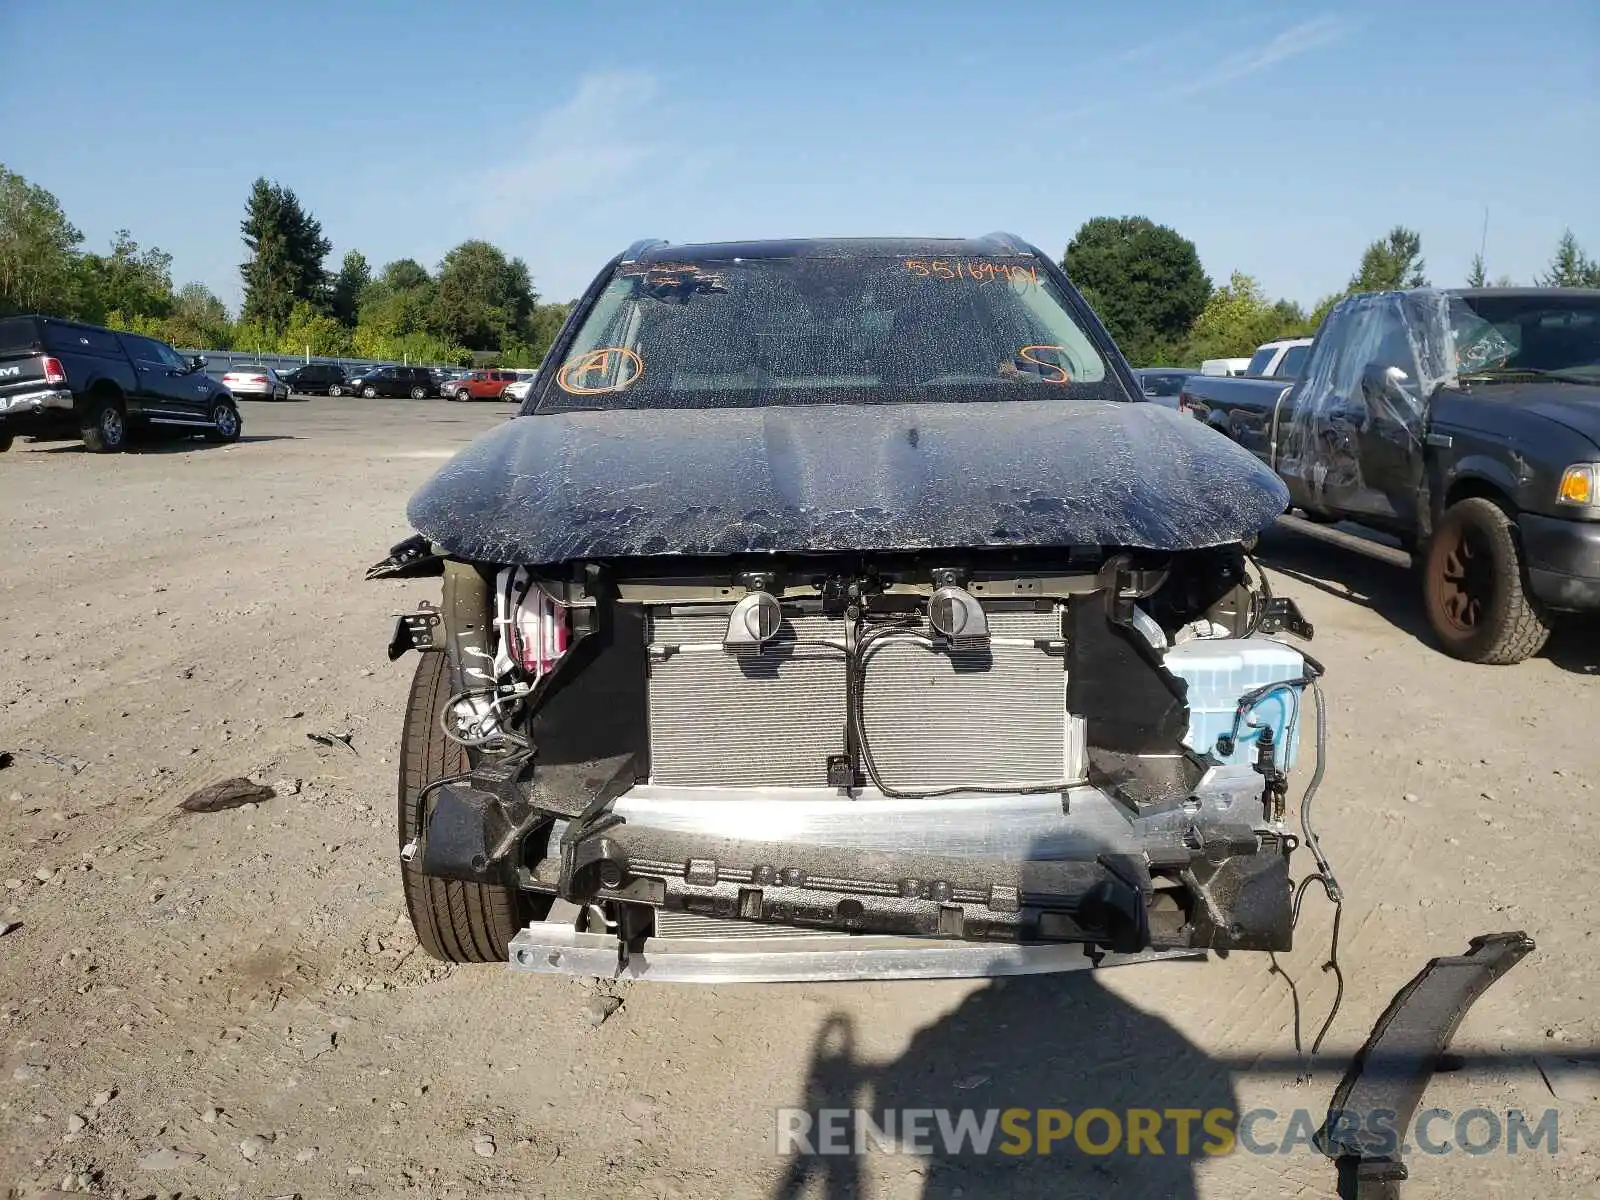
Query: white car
[
  {"x": 517, "y": 392},
  {"x": 255, "y": 382}
]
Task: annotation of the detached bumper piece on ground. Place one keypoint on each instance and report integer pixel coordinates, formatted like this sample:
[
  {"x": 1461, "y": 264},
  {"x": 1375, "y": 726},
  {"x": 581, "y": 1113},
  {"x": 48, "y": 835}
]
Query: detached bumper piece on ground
[{"x": 1378, "y": 1098}]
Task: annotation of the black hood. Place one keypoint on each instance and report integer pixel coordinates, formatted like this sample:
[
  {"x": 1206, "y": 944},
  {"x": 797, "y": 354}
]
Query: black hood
[
  {"x": 584, "y": 485},
  {"x": 1574, "y": 405}
]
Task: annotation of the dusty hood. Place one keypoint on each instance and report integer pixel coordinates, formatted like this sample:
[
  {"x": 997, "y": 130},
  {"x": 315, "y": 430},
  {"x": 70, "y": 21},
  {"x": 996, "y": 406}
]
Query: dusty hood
[
  {"x": 580, "y": 485},
  {"x": 1576, "y": 406}
]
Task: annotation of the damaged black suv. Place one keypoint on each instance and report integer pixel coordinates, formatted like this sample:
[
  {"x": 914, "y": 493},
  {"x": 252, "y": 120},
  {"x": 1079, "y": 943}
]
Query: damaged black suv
[{"x": 831, "y": 610}]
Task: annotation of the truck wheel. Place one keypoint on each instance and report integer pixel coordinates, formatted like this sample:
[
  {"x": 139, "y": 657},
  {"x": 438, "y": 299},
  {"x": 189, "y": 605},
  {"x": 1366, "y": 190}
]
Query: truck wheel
[
  {"x": 1472, "y": 585},
  {"x": 455, "y": 921},
  {"x": 105, "y": 426},
  {"x": 226, "y": 426}
]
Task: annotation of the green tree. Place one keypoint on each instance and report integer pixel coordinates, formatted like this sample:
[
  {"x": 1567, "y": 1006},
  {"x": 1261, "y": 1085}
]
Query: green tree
[
  {"x": 287, "y": 249},
  {"x": 353, "y": 279},
  {"x": 136, "y": 283},
  {"x": 405, "y": 275},
  {"x": 1143, "y": 279},
  {"x": 1477, "y": 276},
  {"x": 313, "y": 332},
  {"x": 482, "y": 300},
  {"x": 1391, "y": 262},
  {"x": 38, "y": 249},
  {"x": 1570, "y": 267},
  {"x": 198, "y": 321},
  {"x": 1239, "y": 317}
]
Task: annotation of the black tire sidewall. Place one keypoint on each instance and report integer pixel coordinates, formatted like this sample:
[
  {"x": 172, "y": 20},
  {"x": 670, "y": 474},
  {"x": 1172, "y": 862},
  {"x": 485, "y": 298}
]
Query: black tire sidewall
[
  {"x": 217, "y": 435},
  {"x": 454, "y": 921},
  {"x": 93, "y": 428},
  {"x": 1512, "y": 627}
]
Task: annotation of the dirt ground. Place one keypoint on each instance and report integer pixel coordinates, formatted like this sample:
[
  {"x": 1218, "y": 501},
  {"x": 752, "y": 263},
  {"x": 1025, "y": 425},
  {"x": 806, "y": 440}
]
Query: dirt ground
[{"x": 233, "y": 1004}]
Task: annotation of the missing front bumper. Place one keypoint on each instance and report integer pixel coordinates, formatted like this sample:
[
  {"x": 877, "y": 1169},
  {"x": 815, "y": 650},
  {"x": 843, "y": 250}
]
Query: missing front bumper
[{"x": 1017, "y": 871}]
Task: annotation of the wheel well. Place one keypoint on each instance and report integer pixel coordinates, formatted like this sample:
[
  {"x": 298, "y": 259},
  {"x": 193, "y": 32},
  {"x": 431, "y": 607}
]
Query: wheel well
[
  {"x": 1467, "y": 488},
  {"x": 104, "y": 389}
]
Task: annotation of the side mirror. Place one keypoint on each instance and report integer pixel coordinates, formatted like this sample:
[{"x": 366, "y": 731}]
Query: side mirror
[{"x": 1386, "y": 383}]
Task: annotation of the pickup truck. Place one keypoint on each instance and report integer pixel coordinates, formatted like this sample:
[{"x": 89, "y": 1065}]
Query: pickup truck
[
  {"x": 1465, "y": 423},
  {"x": 64, "y": 379},
  {"x": 1280, "y": 362}
]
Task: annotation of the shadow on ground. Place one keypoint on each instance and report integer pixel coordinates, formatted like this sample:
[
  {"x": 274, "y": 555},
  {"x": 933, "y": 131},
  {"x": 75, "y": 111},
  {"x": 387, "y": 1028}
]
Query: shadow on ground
[
  {"x": 1394, "y": 594},
  {"x": 1033, "y": 1042},
  {"x": 163, "y": 445}
]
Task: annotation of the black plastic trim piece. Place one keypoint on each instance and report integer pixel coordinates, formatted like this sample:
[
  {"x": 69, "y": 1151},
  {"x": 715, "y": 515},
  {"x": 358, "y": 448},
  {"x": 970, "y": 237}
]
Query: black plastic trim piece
[{"x": 1389, "y": 1074}]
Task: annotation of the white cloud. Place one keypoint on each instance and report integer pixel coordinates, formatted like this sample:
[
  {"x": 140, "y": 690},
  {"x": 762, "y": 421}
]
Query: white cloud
[
  {"x": 1296, "y": 40},
  {"x": 581, "y": 148}
]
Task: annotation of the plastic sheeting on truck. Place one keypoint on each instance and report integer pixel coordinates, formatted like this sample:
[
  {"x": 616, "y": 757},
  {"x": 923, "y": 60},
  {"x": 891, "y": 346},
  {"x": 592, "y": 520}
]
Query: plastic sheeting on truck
[{"x": 1361, "y": 406}]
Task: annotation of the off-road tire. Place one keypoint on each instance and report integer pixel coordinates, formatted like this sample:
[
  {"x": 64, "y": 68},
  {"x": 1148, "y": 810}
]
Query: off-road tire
[
  {"x": 100, "y": 433},
  {"x": 1474, "y": 589},
  {"x": 455, "y": 921}
]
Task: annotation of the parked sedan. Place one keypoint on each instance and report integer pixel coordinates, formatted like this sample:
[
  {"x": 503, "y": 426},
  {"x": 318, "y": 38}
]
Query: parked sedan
[
  {"x": 416, "y": 382},
  {"x": 255, "y": 381},
  {"x": 323, "y": 379}
]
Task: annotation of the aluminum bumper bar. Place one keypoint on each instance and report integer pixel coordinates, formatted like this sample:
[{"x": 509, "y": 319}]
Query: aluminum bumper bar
[{"x": 558, "y": 949}]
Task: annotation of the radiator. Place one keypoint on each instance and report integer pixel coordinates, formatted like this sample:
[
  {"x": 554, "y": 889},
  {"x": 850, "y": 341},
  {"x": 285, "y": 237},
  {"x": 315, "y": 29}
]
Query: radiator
[{"x": 933, "y": 719}]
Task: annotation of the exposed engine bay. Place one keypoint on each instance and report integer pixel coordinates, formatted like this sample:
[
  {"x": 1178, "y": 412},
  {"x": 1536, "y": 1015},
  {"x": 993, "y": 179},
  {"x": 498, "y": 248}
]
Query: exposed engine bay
[{"x": 1006, "y": 746}]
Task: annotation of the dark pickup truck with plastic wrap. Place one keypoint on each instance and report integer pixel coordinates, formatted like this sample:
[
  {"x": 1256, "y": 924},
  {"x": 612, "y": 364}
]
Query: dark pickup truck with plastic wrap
[{"x": 1466, "y": 423}]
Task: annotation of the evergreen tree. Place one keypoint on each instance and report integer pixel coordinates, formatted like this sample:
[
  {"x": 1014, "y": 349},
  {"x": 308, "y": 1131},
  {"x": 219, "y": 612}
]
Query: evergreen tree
[{"x": 286, "y": 252}]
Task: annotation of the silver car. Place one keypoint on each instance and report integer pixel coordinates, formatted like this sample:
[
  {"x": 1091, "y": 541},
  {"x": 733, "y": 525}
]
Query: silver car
[{"x": 255, "y": 381}]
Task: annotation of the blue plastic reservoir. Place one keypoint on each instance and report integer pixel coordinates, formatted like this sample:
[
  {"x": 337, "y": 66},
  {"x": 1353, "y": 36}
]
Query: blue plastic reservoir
[{"x": 1219, "y": 672}]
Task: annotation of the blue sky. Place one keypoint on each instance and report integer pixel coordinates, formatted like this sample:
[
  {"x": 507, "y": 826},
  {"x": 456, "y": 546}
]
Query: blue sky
[{"x": 1280, "y": 137}]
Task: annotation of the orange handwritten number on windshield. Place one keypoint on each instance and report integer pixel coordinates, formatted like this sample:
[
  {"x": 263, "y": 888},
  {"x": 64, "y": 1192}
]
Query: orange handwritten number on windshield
[
  {"x": 1062, "y": 375},
  {"x": 616, "y": 364}
]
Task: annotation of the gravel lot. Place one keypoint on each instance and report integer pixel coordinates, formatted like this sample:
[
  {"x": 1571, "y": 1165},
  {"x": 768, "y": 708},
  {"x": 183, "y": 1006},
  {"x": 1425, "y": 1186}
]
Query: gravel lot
[{"x": 233, "y": 1003}]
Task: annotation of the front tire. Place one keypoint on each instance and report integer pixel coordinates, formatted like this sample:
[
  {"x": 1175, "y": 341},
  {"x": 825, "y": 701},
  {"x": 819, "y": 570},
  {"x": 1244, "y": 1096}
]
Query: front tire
[
  {"x": 226, "y": 424},
  {"x": 454, "y": 921},
  {"x": 1473, "y": 587},
  {"x": 105, "y": 426},
  {"x": 335, "y": 390},
  {"x": 371, "y": 393}
]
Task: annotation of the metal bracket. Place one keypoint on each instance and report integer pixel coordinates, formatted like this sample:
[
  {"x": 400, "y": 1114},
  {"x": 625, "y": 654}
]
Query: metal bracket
[
  {"x": 1282, "y": 613},
  {"x": 414, "y": 631}
]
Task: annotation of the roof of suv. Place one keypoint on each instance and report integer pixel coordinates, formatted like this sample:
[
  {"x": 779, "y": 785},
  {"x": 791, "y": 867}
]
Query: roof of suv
[{"x": 651, "y": 252}]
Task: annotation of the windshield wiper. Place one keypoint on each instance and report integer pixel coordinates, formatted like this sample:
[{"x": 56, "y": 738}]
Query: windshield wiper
[{"x": 1570, "y": 375}]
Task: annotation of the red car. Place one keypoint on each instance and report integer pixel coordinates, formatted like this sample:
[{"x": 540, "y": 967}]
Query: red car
[{"x": 480, "y": 385}]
